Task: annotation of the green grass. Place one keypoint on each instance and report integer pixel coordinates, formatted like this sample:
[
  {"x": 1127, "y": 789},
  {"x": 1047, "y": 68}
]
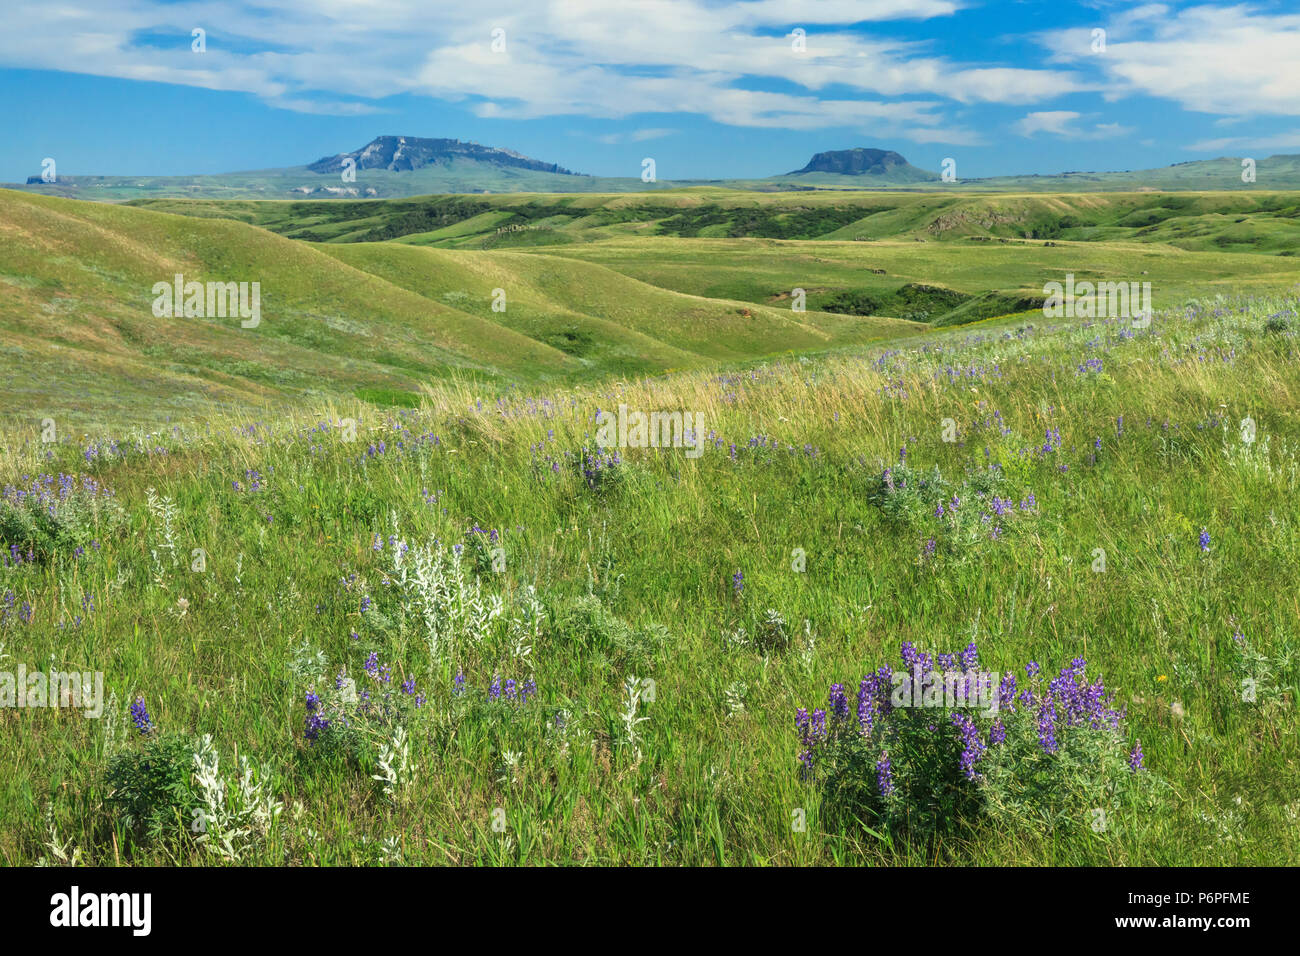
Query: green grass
[
  {"x": 383, "y": 400},
  {"x": 81, "y": 341},
  {"x": 1252, "y": 221},
  {"x": 214, "y": 651}
]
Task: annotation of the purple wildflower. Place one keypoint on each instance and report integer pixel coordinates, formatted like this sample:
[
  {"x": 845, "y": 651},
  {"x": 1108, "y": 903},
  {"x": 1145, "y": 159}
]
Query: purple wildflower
[
  {"x": 884, "y": 775},
  {"x": 140, "y": 715}
]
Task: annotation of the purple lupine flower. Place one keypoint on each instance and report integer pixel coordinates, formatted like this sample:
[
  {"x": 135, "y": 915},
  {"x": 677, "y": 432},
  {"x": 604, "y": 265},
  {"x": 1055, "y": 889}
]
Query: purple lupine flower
[
  {"x": 1135, "y": 758},
  {"x": 972, "y": 745},
  {"x": 838, "y": 704},
  {"x": 738, "y": 583},
  {"x": 316, "y": 722},
  {"x": 803, "y": 724},
  {"x": 140, "y": 716},
  {"x": 458, "y": 685},
  {"x": 494, "y": 692},
  {"x": 1205, "y": 540},
  {"x": 884, "y": 775},
  {"x": 970, "y": 658},
  {"x": 819, "y": 723},
  {"x": 873, "y": 699},
  {"x": 1047, "y": 725},
  {"x": 1007, "y": 691},
  {"x": 997, "y": 733}
]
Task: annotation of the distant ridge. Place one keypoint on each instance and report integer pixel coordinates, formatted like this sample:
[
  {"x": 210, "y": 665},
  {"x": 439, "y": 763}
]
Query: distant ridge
[
  {"x": 406, "y": 153},
  {"x": 393, "y": 167}
]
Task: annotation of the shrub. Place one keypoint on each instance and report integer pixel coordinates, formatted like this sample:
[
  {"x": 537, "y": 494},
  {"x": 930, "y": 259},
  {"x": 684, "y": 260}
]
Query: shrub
[
  {"x": 601, "y": 469},
  {"x": 852, "y": 302},
  {"x": 770, "y": 634},
  {"x": 1278, "y": 322},
  {"x": 353, "y": 720},
  {"x": 920, "y": 757},
  {"x": 151, "y": 785},
  {"x": 588, "y": 622},
  {"x": 955, "y": 515},
  {"x": 56, "y": 516}
]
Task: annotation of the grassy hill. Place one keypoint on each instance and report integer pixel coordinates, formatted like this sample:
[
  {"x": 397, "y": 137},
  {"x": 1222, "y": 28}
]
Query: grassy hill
[
  {"x": 81, "y": 338},
  {"x": 387, "y": 296},
  {"x": 620, "y": 683},
  {"x": 80, "y": 331},
  {"x": 1250, "y": 222},
  {"x": 609, "y": 655},
  {"x": 940, "y": 260}
]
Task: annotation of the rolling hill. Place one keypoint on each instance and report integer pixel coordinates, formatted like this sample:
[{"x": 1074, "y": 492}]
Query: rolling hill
[
  {"x": 377, "y": 320},
  {"x": 1261, "y": 222}
]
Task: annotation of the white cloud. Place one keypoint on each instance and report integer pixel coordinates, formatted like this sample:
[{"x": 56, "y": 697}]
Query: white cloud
[
  {"x": 1227, "y": 60},
  {"x": 1051, "y": 121},
  {"x": 1065, "y": 124},
  {"x": 590, "y": 58},
  {"x": 635, "y": 136},
  {"x": 1290, "y": 140}
]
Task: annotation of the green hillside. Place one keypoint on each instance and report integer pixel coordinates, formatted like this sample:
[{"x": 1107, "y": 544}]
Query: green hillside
[
  {"x": 919, "y": 257},
  {"x": 81, "y": 336},
  {"x": 1254, "y": 222},
  {"x": 604, "y": 665}
]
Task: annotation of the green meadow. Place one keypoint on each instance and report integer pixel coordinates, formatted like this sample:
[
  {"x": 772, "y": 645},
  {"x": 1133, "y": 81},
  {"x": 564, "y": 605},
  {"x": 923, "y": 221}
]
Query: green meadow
[{"x": 363, "y": 588}]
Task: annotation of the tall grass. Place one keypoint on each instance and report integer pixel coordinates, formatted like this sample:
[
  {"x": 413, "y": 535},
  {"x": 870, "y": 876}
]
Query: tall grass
[{"x": 271, "y": 563}]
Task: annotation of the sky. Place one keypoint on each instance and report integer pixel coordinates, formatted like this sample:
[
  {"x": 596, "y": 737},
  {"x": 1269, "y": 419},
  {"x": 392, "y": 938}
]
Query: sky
[{"x": 710, "y": 89}]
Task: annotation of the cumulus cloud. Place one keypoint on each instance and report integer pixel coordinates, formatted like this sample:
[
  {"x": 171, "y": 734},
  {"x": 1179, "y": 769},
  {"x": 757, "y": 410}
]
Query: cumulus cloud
[
  {"x": 1227, "y": 60},
  {"x": 553, "y": 58}
]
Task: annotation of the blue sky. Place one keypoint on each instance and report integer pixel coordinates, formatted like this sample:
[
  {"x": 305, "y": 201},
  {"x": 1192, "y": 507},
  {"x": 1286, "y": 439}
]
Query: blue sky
[{"x": 709, "y": 89}]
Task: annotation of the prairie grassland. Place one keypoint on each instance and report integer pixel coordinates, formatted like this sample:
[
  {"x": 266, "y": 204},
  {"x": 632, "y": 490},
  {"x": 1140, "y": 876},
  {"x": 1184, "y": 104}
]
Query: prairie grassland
[{"x": 255, "y": 563}]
